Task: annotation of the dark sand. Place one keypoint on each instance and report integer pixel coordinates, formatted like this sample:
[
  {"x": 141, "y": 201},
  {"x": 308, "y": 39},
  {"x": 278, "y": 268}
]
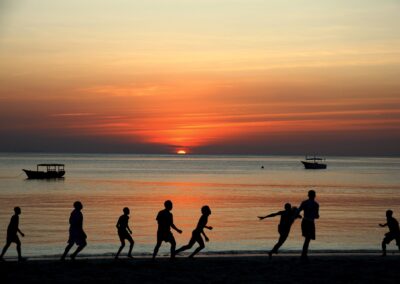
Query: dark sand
[{"x": 329, "y": 268}]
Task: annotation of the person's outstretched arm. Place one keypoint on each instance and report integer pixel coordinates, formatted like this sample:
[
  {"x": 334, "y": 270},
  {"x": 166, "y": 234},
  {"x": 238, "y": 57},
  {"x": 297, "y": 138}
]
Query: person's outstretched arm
[
  {"x": 383, "y": 225},
  {"x": 208, "y": 227},
  {"x": 269, "y": 216}
]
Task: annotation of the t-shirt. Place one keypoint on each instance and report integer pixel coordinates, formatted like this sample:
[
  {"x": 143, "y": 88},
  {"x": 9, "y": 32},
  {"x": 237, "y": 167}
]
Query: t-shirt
[
  {"x": 165, "y": 220},
  {"x": 76, "y": 221},
  {"x": 202, "y": 222},
  {"x": 311, "y": 209},
  {"x": 393, "y": 225},
  {"x": 13, "y": 226},
  {"x": 123, "y": 222},
  {"x": 287, "y": 219}
]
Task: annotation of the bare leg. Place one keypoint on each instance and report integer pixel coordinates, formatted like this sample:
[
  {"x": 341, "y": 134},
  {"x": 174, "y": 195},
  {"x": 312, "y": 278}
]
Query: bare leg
[
  {"x": 77, "y": 251},
  {"x": 305, "y": 248},
  {"x": 173, "y": 246},
  {"x": 5, "y": 249},
  {"x": 188, "y": 246},
  {"x": 19, "y": 250},
  {"x": 120, "y": 248},
  {"x": 67, "y": 248},
  {"x": 131, "y": 244},
  {"x": 280, "y": 242},
  {"x": 157, "y": 247},
  {"x": 201, "y": 243}
]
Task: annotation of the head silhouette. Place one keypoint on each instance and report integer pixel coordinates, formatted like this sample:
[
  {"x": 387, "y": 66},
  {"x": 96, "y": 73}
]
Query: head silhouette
[
  {"x": 126, "y": 211},
  {"x": 288, "y": 206},
  {"x": 389, "y": 213},
  {"x": 78, "y": 205},
  {"x": 17, "y": 210},
  {"x": 311, "y": 194},
  {"x": 168, "y": 205},
  {"x": 205, "y": 210}
]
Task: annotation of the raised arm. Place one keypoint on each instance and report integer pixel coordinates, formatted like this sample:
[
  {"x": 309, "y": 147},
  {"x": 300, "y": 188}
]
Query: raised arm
[{"x": 269, "y": 216}]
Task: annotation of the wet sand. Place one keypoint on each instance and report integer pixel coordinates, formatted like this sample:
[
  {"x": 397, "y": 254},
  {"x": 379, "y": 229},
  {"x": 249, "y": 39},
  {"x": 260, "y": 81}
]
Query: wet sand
[{"x": 324, "y": 268}]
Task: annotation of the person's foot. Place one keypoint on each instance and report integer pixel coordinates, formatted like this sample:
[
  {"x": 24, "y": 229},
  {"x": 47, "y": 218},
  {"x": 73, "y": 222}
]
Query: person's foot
[
  {"x": 22, "y": 259},
  {"x": 270, "y": 255},
  {"x": 130, "y": 256},
  {"x": 73, "y": 257},
  {"x": 384, "y": 253}
]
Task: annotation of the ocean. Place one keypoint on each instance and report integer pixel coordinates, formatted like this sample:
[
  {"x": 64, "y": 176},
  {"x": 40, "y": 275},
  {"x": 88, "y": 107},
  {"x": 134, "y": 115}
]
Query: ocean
[{"x": 353, "y": 193}]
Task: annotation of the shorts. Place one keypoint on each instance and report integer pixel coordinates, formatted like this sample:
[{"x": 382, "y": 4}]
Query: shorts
[
  {"x": 308, "y": 229},
  {"x": 283, "y": 231},
  {"x": 392, "y": 236},
  {"x": 77, "y": 238},
  {"x": 165, "y": 237},
  {"x": 13, "y": 239},
  {"x": 124, "y": 235}
]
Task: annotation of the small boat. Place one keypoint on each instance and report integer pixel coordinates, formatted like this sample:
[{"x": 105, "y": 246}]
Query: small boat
[
  {"x": 314, "y": 163},
  {"x": 52, "y": 171}
]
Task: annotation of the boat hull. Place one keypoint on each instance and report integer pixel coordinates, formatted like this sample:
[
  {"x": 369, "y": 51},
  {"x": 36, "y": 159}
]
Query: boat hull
[
  {"x": 44, "y": 175},
  {"x": 313, "y": 166}
]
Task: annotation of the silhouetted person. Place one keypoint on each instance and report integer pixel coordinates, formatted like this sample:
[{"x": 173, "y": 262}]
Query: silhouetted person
[
  {"x": 76, "y": 234},
  {"x": 165, "y": 223},
  {"x": 311, "y": 212},
  {"x": 12, "y": 234},
  {"x": 196, "y": 234},
  {"x": 394, "y": 231},
  {"x": 124, "y": 232},
  {"x": 288, "y": 217}
]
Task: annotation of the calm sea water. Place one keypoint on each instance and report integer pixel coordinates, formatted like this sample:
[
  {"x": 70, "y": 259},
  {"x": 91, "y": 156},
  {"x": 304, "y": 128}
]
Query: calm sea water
[{"x": 353, "y": 193}]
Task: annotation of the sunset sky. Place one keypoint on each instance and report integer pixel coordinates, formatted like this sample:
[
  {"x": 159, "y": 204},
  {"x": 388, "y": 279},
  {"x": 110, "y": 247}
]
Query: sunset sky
[{"x": 204, "y": 76}]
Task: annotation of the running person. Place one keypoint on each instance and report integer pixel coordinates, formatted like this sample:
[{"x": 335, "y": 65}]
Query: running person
[
  {"x": 394, "y": 231},
  {"x": 311, "y": 212},
  {"x": 196, "y": 234},
  {"x": 124, "y": 232},
  {"x": 76, "y": 233},
  {"x": 288, "y": 216},
  {"x": 12, "y": 234},
  {"x": 165, "y": 222}
]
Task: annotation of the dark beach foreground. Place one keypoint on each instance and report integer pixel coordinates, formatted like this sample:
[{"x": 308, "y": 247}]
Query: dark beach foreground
[{"x": 329, "y": 268}]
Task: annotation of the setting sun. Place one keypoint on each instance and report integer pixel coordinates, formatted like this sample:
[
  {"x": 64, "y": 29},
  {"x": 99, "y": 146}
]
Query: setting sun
[{"x": 181, "y": 152}]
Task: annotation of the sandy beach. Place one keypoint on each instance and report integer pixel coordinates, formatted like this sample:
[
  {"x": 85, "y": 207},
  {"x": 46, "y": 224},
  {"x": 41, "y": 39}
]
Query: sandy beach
[{"x": 286, "y": 268}]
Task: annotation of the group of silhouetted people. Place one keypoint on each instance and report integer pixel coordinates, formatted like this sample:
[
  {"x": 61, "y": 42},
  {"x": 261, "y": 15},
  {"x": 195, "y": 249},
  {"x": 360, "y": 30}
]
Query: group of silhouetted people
[
  {"x": 289, "y": 215},
  {"x": 165, "y": 222},
  {"x": 78, "y": 236},
  {"x": 311, "y": 212}
]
